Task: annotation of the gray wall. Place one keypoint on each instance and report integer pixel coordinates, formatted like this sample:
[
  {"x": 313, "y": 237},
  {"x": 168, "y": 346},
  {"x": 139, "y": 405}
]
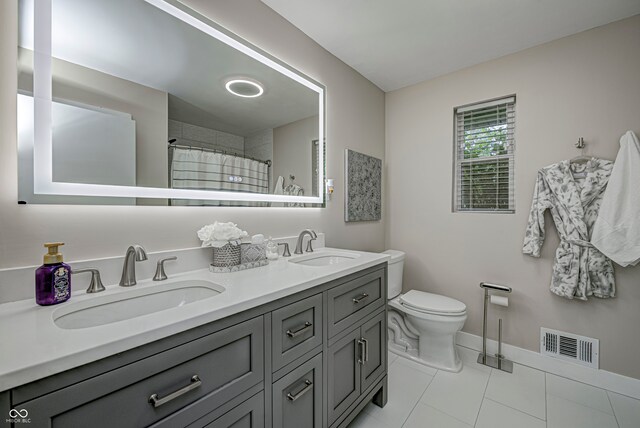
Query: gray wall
[
  {"x": 259, "y": 145},
  {"x": 148, "y": 107},
  {"x": 583, "y": 85},
  {"x": 355, "y": 110},
  {"x": 292, "y": 152}
]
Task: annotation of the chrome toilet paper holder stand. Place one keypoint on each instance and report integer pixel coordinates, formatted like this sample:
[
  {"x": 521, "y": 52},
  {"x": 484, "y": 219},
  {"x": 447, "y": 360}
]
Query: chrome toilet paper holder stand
[{"x": 498, "y": 361}]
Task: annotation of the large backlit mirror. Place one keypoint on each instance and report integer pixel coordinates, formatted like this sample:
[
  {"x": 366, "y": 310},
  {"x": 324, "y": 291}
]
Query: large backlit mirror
[{"x": 145, "y": 102}]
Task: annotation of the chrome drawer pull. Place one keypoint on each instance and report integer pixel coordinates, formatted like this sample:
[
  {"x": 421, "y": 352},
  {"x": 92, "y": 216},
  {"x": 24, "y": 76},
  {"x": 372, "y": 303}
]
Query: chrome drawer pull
[
  {"x": 362, "y": 343},
  {"x": 360, "y": 298},
  {"x": 157, "y": 402},
  {"x": 304, "y": 390},
  {"x": 299, "y": 331}
]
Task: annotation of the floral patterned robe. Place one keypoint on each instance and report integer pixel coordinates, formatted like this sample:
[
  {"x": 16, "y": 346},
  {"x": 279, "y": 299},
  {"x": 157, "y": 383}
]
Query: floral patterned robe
[{"x": 573, "y": 193}]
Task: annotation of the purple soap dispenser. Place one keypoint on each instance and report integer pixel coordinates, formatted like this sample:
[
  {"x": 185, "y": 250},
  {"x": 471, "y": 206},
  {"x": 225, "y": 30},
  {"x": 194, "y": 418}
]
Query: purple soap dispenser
[{"x": 53, "y": 278}]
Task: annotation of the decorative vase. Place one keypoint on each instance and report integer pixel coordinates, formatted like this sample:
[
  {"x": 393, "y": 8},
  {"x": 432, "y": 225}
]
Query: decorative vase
[{"x": 227, "y": 255}]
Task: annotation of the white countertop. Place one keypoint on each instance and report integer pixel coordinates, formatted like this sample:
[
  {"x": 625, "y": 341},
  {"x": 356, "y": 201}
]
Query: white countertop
[{"x": 34, "y": 347}]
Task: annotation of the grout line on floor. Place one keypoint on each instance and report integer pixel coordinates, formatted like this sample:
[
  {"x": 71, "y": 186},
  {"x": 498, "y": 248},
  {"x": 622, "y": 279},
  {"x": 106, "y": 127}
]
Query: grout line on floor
[
  {"x": 392, "y": 362},
  {"x": 484, "y": 395},
  {"x": 571, "y": 400},
  {"x": 579, "y": 381},
  {"x": 479, "y": 410},
  {"x": 546, "y": 407},
  {"x": 419, "y": 399},
  {"x": 584, "y": 406},
  {"x": 423, "y": 391},
  {"x": 616, "y": 392},
  {"x": 441, "y": 411},
  {"x": 517, "y": 410},
  {"x": 613, "y": 409}
]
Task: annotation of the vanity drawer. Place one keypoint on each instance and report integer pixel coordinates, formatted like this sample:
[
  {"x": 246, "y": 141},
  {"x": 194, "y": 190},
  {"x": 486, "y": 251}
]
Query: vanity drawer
[
  {"x": 351, "y": 301},
  {"x": 249, "y": 414},
  {"x": 296, "y": 329},
  {"x": 297, "y": 397},
  {"x": 203, "y": 373}
]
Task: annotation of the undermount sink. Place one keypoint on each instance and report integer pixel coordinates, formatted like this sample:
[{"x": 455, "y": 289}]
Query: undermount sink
[
  {"x": 118, "y": 307},
  {"x": 324, "y": 258}
]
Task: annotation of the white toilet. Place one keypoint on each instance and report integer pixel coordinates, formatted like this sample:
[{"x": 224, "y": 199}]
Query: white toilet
[{"x": 422, "y": 326}]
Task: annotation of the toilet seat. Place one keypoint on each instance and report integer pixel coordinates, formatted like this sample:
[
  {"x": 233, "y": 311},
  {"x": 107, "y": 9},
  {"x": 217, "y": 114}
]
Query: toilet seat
[
  {"x": 433, "y": 304},
  {"x": 435, "y": 316}
]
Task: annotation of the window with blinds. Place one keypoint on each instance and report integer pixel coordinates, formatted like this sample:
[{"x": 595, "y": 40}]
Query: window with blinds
[{"x": 484, "y": 150}]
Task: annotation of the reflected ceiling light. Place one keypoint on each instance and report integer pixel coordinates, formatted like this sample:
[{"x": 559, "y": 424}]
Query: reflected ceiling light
[{"x": 244, "y": 88}]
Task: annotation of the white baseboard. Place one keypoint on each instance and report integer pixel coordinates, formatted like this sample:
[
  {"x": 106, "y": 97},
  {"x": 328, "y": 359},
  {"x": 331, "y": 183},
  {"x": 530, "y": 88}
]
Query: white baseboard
[{"x": 599, "y": 378}]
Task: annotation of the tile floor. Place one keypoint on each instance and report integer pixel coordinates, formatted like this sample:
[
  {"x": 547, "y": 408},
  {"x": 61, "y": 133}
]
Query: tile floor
[{"x": 480, "y": 397}]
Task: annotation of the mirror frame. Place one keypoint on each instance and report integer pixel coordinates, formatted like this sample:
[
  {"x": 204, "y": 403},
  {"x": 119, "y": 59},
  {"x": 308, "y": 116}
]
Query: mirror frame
[{"x": 42, "y": 93}]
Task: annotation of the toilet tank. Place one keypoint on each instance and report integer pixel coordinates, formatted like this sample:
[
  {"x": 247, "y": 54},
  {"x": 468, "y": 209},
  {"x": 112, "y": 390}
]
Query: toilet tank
[{"x": 396, "y": 266}]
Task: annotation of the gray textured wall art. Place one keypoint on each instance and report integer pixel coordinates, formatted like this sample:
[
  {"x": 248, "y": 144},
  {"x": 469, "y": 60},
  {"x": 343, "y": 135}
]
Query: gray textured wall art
[{"x": 363, "y": 190}]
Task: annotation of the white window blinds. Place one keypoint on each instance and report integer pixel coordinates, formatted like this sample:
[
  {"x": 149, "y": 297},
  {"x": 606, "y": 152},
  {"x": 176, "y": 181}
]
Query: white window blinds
[{"x": 484, "y": 150}]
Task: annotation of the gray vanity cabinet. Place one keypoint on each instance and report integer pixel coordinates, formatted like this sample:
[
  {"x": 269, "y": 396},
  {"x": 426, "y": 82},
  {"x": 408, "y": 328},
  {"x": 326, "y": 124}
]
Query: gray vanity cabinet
[
  {"x": 297, "y": 397},
  {"x": 313, "y": 359}
]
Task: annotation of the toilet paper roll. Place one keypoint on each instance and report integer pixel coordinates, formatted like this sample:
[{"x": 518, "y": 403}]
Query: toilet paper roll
[{"x": 499, "y": 300}]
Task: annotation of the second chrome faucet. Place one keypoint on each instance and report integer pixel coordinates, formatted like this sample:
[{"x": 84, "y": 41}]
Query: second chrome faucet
[{"x": 312, "y": 235}]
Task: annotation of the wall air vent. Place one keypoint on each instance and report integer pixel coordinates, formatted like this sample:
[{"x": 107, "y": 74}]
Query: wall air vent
[{"x": 570, "y": 347}]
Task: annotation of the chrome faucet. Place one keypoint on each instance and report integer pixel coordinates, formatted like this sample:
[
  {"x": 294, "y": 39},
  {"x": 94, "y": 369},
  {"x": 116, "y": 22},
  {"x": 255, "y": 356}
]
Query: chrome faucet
[
  {"x": 311, "y": 234},
  {"x": 161, "y": 275},
  {"x": 95, "y": 286},
  {"x": 135, "y": 253}
]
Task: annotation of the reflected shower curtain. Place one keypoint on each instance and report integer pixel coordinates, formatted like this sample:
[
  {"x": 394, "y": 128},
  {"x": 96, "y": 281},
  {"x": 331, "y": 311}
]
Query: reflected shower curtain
[{"x": 196, "y": 169}]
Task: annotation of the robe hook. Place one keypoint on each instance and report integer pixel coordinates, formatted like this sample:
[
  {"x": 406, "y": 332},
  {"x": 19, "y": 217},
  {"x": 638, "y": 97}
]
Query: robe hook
[{"x": 580, "y": 143}]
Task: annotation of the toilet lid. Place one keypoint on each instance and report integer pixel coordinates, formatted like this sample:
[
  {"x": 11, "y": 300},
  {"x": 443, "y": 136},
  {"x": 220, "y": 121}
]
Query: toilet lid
[{"x": 433, "y": 303}]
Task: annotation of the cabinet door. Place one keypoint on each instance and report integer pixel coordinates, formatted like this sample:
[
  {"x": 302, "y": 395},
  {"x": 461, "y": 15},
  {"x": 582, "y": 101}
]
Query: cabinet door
[
  {"x": 374, "y": 335},
  {"x": 343, "y": 363},
  {"x": 297, "y": 397}
]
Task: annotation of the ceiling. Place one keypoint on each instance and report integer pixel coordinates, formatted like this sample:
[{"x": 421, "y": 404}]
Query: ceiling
[
  {"x": 401, "y": 42},
  {"x": 134, "y": 40}
]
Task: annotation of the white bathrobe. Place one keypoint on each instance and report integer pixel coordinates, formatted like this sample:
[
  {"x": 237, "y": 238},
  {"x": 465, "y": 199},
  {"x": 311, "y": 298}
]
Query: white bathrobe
[{"x": 616, "y": 232}]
